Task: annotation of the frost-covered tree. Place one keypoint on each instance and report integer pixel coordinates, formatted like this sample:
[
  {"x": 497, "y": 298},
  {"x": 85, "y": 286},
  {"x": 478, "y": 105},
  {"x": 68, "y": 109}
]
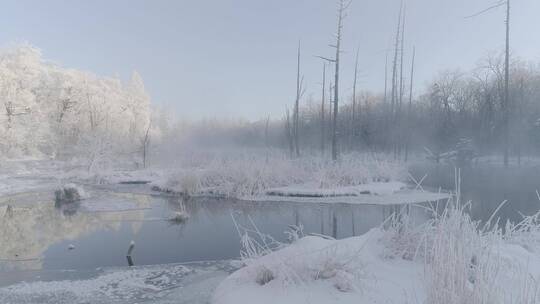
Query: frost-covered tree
[{"x": 50, "y": 110}]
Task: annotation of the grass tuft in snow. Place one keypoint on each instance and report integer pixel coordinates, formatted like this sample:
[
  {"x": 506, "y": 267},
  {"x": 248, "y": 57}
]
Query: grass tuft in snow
[
  {"x": 250, "y": 174},
  {"x": 467, "y": 261}
]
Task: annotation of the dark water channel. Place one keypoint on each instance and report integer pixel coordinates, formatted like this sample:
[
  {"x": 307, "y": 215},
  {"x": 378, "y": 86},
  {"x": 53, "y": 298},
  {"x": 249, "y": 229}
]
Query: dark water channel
[{"x": 486, "y": 186}]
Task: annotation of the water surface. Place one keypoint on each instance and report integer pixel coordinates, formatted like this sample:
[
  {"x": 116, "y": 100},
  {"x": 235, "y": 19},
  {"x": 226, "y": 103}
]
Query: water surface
[{"x": 38, "y": 238}]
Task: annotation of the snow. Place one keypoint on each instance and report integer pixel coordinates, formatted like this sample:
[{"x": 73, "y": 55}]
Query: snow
[
  {"x": 311, "y": 190},
  {"x": 448, "y": 260},
  {"x": 162, "y": 284},
  {"x": 358, "y": 179},
  {"x": 316, "y": 270},
  {"x": 376, "y": 193},
  {"x": 398, "y": 198}
]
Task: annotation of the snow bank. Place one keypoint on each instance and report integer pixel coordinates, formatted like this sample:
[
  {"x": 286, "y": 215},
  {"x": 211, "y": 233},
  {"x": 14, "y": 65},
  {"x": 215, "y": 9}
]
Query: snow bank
[
  {"x": 402, "y": 197},
  {"x": 316, "y": 270},
  {"x": 159, "y": 284},
  {"x": 311, "y": 190},
  {"x": 122, "y": 286},
  {"x": 451, "y": 259}
]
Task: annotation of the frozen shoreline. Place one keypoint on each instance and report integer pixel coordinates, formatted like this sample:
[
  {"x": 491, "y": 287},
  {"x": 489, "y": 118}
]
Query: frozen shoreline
[
  {"x": 448, "y": 261},
  {"x": 178, "y": 283}
]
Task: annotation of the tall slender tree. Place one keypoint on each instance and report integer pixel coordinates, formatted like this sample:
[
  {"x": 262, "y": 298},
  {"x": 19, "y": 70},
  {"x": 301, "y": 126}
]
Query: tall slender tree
[
  {"x": 506, "y": 84},
  {"x": 289, "y": 132},
  {"x": 323, "y": 101},
  {"x": 341, "y": 15},
  {"x": 409, "y": 108},
  {"x": 399, "y": 118},
  {"x": 352, "y": 127},
  {"x": 341, "y": 12},
  {"x": 506, "y": 98},
  {"x": 296, "y": 117},
  {"x": 395, "y": 83}
]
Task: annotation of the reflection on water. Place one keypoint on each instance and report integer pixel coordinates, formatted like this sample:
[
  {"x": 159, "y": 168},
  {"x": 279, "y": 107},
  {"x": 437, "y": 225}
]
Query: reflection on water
[
  {"x": 39, "y": 236},
  {"x": 486, "y": 186},
  {"x": 29, "y": 232}
]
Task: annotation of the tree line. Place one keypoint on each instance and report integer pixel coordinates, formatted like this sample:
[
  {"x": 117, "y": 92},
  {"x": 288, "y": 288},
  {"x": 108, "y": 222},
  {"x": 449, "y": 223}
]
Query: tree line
[{"x": 56, "y": 112}]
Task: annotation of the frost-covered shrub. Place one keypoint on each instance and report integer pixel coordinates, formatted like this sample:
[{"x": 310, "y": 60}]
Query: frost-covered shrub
[
  {"x": 251, "y": 173},
  {"x": 467, "y": 261}
]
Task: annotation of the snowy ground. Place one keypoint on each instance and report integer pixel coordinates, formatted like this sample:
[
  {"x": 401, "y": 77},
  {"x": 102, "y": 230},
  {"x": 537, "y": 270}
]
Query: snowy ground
[
  {"x": 375, "y": 193},
  {"x": 316, "y": 270},
  {"x": 161, "y": 284},
  {"x": 450, "y": 260},
  {"x": 407, "y": 196}
]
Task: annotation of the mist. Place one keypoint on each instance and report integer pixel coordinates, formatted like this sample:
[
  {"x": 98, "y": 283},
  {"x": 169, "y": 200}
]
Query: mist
[{"x": 239, "y": 151}]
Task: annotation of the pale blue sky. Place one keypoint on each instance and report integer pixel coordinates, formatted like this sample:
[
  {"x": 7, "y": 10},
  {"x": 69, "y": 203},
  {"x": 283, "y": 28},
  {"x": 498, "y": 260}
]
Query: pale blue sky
[{"x": 236, "y": 58}]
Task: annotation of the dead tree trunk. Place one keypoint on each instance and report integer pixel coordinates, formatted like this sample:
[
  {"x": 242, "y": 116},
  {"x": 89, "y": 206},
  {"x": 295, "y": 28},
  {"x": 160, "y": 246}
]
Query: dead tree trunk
[
  {"x": 399, "y": 119},
  {"x": 409, "y": 109},
  {"x": 145, "y": 142},
  {"x": 394, "y": 97},
  {"x": 520, "y": 119},
  {"x": 323, "y": 100},
  {"x": 330, "y": 109},
  {"x": 506, "y": 84},
  {"x": 296, "y": 118},
  {"x": 341, "y": 12},
  {"x": 266, "y": 139},
  {"x": 289, "y": 132},
  {"x": 386, "y": 126},
  {"x": 353, "y": 114}
]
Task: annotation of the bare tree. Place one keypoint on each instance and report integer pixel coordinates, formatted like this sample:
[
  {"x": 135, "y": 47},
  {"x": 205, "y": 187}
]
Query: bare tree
[
  {"x": 506, "y": 81},
  {"x": 409, "y": 109},
  {"x": 342, "y": 7},
  {"x": 289, "y": 132},
  {"x": 399, "y": 117},
  {"x": 296, "y": 115},
  {"x": 266, "y": 138},
  {"x": 66, "y": 103},
  {"x": 330, "y": 106},
  {"x": 394, "y": 97},
  {"x": 12, "y": 111},
  {"x": 386, "y": 124},
  {"x": 386, "y": 78},
  {"x": 520, "y": 119},
  {"x": 506, "y": 98},
  {"x": 353, "y": 114},
  {"x": 145, "y": 143},
  {"x": 323, "y": 100}
]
